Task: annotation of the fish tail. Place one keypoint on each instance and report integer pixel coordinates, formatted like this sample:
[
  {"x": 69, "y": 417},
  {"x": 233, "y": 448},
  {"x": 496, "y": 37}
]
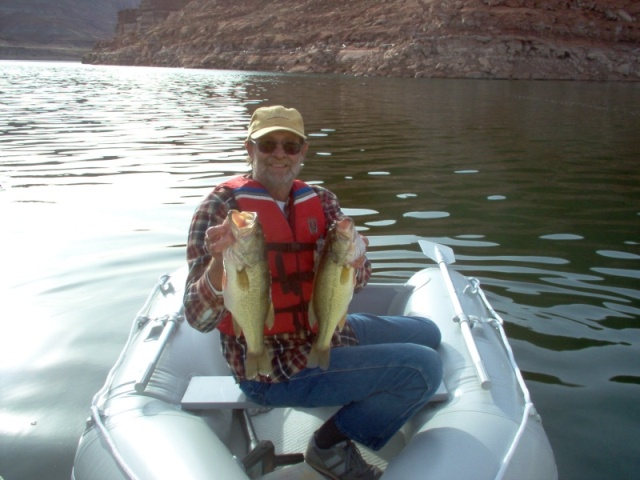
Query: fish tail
[
  {"x": 271, "y": 315},
  {"x": 318, "y": 358},
  {"x": 257, "y": 363},
  {"x": 264, "y": 363},
  {"x": 251, "y": 366}
]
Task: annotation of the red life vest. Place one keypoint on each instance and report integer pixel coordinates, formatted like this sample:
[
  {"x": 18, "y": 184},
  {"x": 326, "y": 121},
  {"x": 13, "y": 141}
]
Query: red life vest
[{"x": 291, "y": 244}]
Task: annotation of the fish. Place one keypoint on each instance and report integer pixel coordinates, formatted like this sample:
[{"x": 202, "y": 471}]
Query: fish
[
  {"x": 333, "y": 286},
  {"x": 246, "y": 289}
]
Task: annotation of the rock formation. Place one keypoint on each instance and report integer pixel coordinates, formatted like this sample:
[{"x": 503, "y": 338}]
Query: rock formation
[
  {"x": 493, "y": 39},
  {"x": 55, "y": 30}
]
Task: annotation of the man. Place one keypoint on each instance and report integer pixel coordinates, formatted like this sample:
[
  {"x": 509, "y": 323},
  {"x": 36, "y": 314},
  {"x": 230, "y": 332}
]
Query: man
[{"x": 382, "y": 369}]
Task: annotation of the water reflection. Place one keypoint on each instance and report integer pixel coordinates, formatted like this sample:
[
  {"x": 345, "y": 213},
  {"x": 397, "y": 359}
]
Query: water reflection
[
  {"x": 535, "y": 186},
  {"x": 625, "y": 379}
]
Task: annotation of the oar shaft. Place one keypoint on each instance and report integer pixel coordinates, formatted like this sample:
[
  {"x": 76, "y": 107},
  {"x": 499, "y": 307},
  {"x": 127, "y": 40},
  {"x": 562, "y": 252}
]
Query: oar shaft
[
  {"x": 483, "y": 377},
  {"x": 167, "y": 331}
]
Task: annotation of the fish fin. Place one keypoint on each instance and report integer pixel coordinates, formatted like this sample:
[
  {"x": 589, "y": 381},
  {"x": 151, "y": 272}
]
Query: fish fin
[
  {"x": 243, "y": 280},
  {"x": 237, "y": 329},
  {"x": 319, "y": 357},
  {"x": 312, "y": 359},
  {"x": 342, "y": 321},
  {"x": 346, "y": 275},
  {"x": 325, "y": 356},
  {"x": 271, "y": 316}
]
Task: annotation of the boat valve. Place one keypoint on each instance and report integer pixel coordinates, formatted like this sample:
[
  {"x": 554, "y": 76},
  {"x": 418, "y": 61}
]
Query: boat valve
[
  {"x": 142, "y": 320},
  {"x": 166, "y": 287}
]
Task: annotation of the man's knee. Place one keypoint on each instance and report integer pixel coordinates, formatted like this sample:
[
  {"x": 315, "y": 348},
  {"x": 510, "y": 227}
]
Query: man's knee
[
  {"x": 427, "y": 364},
  {"x": 430, "y": 333}
]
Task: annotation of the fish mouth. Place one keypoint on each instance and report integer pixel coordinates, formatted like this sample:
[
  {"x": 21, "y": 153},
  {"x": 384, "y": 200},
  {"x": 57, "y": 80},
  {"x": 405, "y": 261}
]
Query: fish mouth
[
  {"x": 344, "y": 228},
  {"x": 242, "y": 219}
]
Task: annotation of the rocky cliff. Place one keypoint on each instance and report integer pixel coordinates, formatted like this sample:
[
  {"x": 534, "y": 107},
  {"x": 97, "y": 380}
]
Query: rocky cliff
[
  {"x": 55, "y": 30},
  {"x": 499, "y": 39}
]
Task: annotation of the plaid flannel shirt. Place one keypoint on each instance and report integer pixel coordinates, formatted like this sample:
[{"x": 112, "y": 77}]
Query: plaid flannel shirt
[{"x": 204, "y": 309}]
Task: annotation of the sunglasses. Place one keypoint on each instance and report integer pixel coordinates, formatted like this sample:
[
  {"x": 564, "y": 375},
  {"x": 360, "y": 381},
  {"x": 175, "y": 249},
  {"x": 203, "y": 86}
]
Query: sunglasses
[{"x": 269, "y": 146}]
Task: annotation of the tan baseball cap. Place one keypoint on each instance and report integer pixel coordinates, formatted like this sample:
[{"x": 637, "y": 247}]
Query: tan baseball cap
[{"x": 270, "y": 119}]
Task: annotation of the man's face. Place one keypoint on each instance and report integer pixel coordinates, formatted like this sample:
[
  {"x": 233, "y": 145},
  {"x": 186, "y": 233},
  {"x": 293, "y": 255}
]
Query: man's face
[{"x": 279, "y": 168}]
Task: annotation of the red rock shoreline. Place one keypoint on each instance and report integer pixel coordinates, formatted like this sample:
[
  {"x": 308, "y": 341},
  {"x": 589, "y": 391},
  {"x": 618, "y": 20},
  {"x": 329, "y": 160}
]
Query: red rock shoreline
[{"x": 488, "y": 39}]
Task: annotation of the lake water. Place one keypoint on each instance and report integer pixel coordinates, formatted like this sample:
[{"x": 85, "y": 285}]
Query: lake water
[{"x": 536, "y": 186}]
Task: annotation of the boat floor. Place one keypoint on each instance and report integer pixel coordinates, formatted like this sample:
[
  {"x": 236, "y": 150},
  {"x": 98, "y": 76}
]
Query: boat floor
[
  {"x": 289, "y": 429},
  {"x": 301, "y": 471}
]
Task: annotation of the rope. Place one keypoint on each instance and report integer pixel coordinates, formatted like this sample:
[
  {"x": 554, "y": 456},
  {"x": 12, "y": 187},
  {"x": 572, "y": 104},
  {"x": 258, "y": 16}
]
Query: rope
[
  {"x": 97, "y": 398},
  {"x": 529, "y": 408}
]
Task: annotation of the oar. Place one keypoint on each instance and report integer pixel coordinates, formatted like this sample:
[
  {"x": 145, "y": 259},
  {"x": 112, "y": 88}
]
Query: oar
[{"x": 443, "y": 256}]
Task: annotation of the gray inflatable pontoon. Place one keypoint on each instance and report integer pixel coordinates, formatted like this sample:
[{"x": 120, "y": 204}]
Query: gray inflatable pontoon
[{"x": 169, "y": 408}]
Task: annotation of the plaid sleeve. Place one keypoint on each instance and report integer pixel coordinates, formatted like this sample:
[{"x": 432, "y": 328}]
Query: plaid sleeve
[
  {"x": 333, "y": 212},
  {"x": 204, "y": 309}
]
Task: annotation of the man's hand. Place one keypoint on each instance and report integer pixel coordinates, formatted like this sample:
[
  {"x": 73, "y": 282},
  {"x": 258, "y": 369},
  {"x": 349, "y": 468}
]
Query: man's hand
[
  {"x": 359, "y": 262},
  {"x": 218, "y": 238}
]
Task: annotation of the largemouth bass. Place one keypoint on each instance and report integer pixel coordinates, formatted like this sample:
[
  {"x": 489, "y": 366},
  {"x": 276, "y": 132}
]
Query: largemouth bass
[
  {"x": 246, "y": 289},
  {"x": 333, "y": 286}
]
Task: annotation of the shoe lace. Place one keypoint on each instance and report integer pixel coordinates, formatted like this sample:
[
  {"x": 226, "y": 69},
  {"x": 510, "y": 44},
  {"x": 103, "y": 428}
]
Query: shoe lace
[{"x": 353, "y": 459}]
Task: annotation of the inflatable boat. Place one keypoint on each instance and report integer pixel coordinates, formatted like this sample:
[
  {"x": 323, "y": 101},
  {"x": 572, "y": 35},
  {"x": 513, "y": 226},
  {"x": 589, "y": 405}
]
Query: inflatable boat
[{"x": 169, "y": 408}]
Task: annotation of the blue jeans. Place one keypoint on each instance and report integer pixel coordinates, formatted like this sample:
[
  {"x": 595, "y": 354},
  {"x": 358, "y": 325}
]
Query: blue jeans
[{"x": 379, "y": 383}]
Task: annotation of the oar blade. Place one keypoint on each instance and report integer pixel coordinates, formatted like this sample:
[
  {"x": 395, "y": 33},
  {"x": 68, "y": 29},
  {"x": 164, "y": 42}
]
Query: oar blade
[{"x": 437, "y": 252}]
